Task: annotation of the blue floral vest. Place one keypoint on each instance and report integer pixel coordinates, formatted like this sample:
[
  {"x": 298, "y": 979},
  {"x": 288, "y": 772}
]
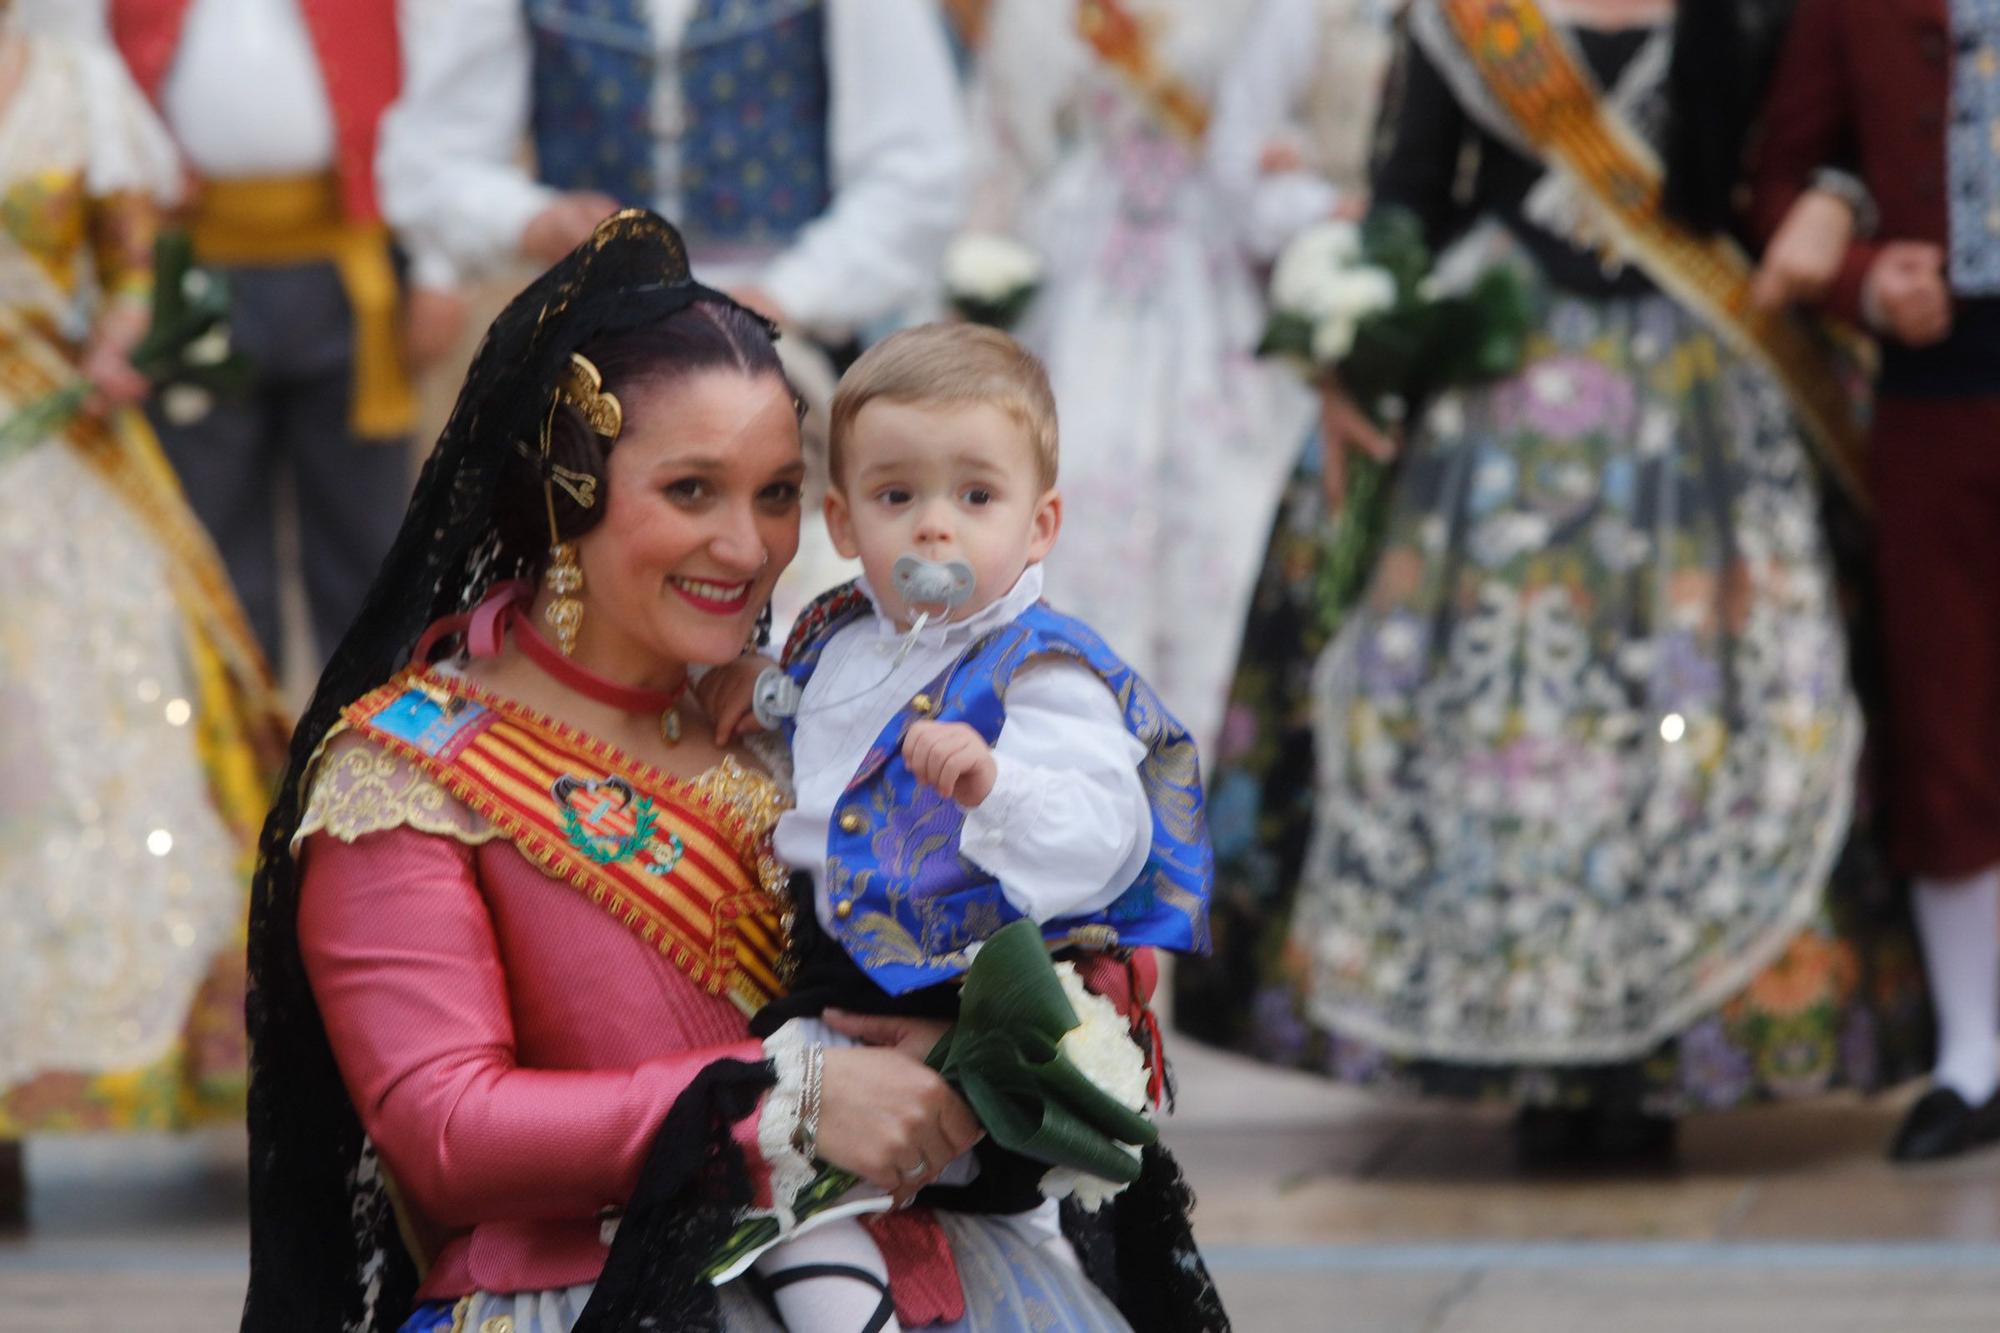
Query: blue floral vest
[
  {"x": 907, "y": 906},
  {"x": 753, "y": 148}
]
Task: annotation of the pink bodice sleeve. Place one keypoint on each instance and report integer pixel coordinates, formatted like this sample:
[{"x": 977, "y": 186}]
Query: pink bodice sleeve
[{"x": 407, "y": 964}]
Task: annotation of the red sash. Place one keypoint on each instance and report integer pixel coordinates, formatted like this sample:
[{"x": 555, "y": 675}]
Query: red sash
[{"x": 685, "y": 868}]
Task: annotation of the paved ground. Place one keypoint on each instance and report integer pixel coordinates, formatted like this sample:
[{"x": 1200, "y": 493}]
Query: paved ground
[{"x": 1321, "y": 1209}]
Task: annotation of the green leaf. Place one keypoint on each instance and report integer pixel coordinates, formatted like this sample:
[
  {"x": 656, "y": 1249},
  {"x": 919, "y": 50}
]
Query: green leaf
[
  {"x": 1004, "y": 313},
  {"x": 1288, "y": 334},
  {"x": 46, "y": 416}
]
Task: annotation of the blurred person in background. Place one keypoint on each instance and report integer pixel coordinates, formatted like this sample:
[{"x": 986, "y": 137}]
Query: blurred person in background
[
  {"x": 275, "y": 105},
  {"x": 1294, "y": 122},
  {"x": 1586, "y": 749},
  {"x": 1090, "y": 118},
  {"x": 968, "y": 27},
  {"x": 1914, "y": 91},
  {"x": 812, "y": 151},
  {"x": 138, "y": 723}
]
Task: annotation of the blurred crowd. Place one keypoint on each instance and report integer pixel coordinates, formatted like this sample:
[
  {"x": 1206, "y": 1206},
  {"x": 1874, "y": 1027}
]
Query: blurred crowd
[{"x": 1656, "y": 768}]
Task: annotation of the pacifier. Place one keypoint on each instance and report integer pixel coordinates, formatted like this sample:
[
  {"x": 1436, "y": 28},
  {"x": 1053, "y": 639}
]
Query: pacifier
[
  {"x": 921, "y": 582},
  {"x": 775, "y": 697}
]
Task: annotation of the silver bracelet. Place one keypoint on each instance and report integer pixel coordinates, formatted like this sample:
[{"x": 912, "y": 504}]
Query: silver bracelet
[
  {"x": 811, "y": 1096},
  {"x": 1850, "y": 190}
]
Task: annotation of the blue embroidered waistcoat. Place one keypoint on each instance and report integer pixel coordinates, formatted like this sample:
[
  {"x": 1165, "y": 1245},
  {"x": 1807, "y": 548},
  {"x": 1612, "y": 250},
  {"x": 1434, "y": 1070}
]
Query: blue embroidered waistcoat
[
  {"x": 907, "y": 906},
  {"x": 753, "y": 165}
]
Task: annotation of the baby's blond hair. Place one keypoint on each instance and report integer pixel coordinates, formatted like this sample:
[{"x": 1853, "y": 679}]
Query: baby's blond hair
[{"x": 950, "y": 365}]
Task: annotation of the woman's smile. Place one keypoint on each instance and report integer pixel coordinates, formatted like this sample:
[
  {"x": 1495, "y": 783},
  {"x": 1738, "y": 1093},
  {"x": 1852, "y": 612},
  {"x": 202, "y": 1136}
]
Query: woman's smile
[{"x": 722, "y": 599}]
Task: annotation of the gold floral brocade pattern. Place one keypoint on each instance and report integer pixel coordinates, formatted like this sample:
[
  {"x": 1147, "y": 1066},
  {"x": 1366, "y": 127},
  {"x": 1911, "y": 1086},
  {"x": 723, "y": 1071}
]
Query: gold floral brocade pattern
[
  {"x": 759, "y": 801},
  {"x": 361, "y": 789}
]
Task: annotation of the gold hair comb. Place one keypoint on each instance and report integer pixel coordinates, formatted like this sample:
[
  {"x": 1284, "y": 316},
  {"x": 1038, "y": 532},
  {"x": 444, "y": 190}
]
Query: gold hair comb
[{"x": 582, "y": 387}]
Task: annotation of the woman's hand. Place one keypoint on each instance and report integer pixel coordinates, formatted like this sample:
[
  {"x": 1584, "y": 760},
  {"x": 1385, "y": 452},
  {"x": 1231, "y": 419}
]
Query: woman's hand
[
  {"x": 1804, "y": 258},
  {"x": 565, "y": 224},
  {"x": 728, "y": 694},
  {"x": 890, "y": 1120},
  {"x": 107, "y": 362},
  {"x": 1343, "y": 426},
  {"x": 434, "y": 322}
]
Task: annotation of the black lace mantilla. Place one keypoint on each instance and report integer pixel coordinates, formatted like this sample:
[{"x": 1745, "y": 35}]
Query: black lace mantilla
[{"x": 325, "y": 1256}]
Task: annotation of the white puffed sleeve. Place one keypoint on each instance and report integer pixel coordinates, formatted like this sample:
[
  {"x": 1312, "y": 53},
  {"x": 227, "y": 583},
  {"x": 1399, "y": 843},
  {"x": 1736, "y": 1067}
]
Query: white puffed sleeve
[
  {"x": 897, "y": 142},
  {"x": 449, "y": 164},
  {"x": 1258, "y": 102},
  {"x": 1067, "y": 827},
  {"x": 128, "y": 149}
]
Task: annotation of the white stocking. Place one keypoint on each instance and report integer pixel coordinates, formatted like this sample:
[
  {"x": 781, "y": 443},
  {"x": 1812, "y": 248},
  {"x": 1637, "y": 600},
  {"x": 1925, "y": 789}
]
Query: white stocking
[
  {"x": 843, "y": 1302},
  {"x": 1959, "y": 921}
]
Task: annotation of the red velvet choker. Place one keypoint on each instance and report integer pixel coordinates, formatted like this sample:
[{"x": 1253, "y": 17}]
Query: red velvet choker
[
  {"x": 505, "y": 608},
  {"x": 627, "y": 698}
]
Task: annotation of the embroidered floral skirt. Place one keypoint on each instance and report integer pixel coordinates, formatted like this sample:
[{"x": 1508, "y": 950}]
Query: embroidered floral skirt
[
  {"x": 1567, "y": 809},
  {"x": 130, "y": 791}
]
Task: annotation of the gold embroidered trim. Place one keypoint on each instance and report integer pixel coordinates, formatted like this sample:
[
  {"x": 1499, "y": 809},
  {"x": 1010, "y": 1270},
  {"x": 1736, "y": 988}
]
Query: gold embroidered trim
[
  {"x": 360, "y": 789},
  {"x": 759, "y": 801}
]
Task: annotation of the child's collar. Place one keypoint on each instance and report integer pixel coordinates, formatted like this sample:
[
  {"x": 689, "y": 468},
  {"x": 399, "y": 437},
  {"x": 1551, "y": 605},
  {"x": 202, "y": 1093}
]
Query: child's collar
[{"x": 1027, "y": 590}]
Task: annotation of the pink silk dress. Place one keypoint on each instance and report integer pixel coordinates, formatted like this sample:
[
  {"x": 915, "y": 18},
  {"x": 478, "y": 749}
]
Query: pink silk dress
[{"x": 510, "y": 1048}]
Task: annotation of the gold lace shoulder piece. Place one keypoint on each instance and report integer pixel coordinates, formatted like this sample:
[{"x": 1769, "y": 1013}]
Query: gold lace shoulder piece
[
  {"x": 358, "y": 789},
  {"x": 759, "y": 800}
]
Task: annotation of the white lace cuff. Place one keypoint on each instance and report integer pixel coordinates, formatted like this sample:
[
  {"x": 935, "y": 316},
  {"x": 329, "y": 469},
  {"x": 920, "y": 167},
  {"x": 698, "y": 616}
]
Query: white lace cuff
[{"x": 795, "y": 1055}]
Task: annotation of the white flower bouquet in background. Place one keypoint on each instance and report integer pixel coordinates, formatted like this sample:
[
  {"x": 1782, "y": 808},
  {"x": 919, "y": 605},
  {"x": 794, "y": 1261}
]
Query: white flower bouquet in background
[
  {"x": 1356, "y": 306},
  {"x": 990, "y": 278},
  {"x": 186, "y": 351},
  {"x": 1322, "y": 288},
  {"x": 1356, "y": 303}
]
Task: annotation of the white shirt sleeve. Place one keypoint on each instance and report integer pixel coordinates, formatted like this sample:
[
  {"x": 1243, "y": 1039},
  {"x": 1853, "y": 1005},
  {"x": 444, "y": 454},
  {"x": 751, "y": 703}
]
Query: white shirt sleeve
[
  {"x": 1262, "y": 89},
  {"x": 130, "y": 150},
  {"x": 1067, "y": 827},
  {"x": 1031, "y": 67},
  {"x": 449, "y": 165},
  {"x": 897, "y": 143}
]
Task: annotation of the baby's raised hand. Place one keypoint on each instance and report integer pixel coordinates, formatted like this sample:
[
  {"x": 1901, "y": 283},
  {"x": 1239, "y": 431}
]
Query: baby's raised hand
[
  {"x": 727, "y": 693},
  {"x": 953, "y": 759}
]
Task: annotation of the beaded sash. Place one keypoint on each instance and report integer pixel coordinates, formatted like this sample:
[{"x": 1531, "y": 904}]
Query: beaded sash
[
  {"x": 1530, "y": 71},
  {"x": 686, "y": 865}
]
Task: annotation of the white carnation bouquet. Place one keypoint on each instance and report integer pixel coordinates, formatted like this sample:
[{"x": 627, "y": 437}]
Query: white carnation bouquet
[
  {"x": 1357, "y": 306},
  {"x": 990, "y": 278},
  {"x": 1048, "y": 1067},
  {"x": 1322, "y": 288}
]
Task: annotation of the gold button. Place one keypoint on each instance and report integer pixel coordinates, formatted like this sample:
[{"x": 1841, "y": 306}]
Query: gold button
[
  {"x": 499, "y": 1323},
  {"x": 853, "y": 822},
  {"x": 844, "y": 909},
  {"x": 924, "y": 704}
]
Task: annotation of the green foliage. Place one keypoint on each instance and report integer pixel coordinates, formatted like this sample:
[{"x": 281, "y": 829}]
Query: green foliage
[{"x": 189, "y": 303}]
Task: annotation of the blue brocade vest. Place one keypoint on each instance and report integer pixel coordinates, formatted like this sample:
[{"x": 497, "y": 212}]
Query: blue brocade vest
[
  {"x": 753, "y": 82},
  {"x": 906, "y": 905}
]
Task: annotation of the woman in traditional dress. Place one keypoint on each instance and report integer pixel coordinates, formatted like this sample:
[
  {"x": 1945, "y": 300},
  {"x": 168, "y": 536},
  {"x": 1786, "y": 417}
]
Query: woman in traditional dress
[
  {"x": 515, "y": 905},
  {"x": 138, "y": 724},
  {"x": 1586, "y": 749},
  {"x": 1089, "y": 121}
]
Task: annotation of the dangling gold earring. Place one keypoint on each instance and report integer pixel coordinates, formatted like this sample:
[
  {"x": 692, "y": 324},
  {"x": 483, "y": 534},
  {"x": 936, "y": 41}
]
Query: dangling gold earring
[
  {"x": 564, "y": 579},
  {"x": 581, "y": 386}
]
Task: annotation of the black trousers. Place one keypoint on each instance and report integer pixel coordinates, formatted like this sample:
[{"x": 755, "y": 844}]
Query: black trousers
[{"x": 293, "y": 324}]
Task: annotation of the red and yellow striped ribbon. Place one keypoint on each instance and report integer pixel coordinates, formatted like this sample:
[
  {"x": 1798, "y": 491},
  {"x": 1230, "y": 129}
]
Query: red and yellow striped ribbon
[
  {"x": 706, "y": 909},
  {"x": 1528, "y": 69}
]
